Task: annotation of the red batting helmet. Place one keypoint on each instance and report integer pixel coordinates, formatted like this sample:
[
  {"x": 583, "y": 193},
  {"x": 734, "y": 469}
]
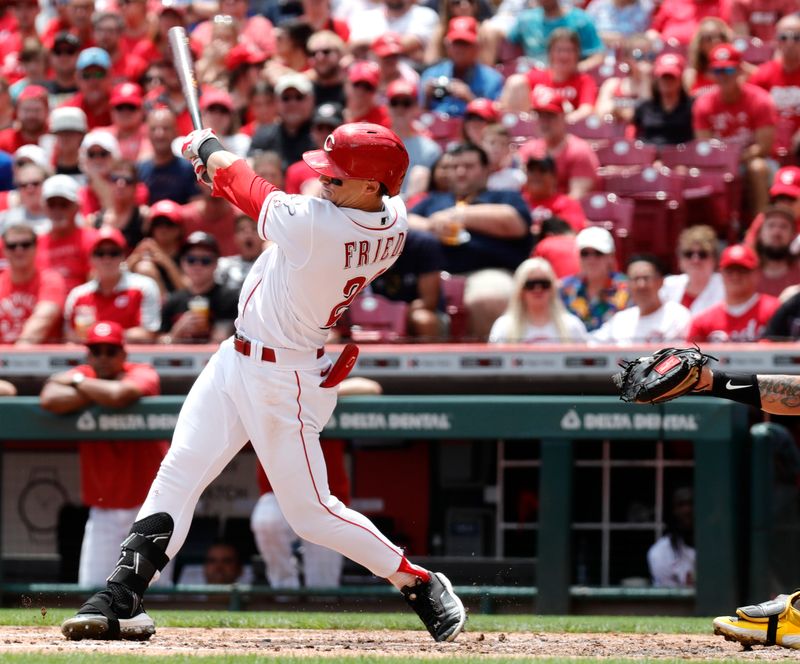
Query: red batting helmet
[{"x": 362, "y": 150}]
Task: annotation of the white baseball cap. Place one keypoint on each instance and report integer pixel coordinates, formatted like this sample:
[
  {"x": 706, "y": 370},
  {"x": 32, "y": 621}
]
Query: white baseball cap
[
  {"x": 68, "y": 118},
  {"x": 60, "y": 186},
  {"x": 103, "y": 139},
  {"x": 33, "y": 153},
  {"x": 595, "y": 238},
  {"x": 296, "y": 81}
]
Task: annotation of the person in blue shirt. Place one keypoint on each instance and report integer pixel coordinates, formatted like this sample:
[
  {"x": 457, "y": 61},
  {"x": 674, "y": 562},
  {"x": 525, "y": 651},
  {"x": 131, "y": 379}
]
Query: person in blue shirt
[
  {"x": 484, "y": 234},
  {"x": 533, "y": 28},
  {"x": 449, "y": 85}
]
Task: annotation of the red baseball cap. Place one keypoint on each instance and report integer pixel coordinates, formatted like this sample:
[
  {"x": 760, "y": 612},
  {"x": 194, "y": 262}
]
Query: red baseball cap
[
  {"x": 364, "y": 72},
  {"x": 215, "y": 97},
  {"x": 547, "y": 100},
  {"x": 106, "y": 332},
  {"x": 740, "y": 255},
  {"x": 463, "y": 28},
  {"x": 109, "y": 234},
  {"x": 483, "y": 108},
  {"x": 244, "y": 54},
  {"x": 34, "y": 92},
  {"x": 669, "y": 64},
  {"x": 400, "y": 87},
  {"x": 786, "y": 182},
  {"x": 389, "y": 43},
  {"x": 724, "y": 55},
  {"x": 167, "y": 208},
  {"x": 126, "y": 93}
]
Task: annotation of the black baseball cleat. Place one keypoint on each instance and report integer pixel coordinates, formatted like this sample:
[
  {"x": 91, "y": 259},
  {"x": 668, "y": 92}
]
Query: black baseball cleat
[
  {"x": 437, "y": 605},
  {"x": 110, "y": 615}
]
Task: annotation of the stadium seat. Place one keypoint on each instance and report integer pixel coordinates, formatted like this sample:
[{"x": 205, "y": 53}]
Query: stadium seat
[
  {"x": 443, "y": 128},
  {"x": 599, "y": 131},
  {"x": 376, "y": 319},
  {"x": 754, "y": 50},
  {"x": 521, "y": 126},
  {"x": 453, "y": 294},
  {"x": 624, "y": 152},
  {"x": 659, "y": 211},
  {"x": 613, "y": 213},
  {"x": 711, "y": 161}
]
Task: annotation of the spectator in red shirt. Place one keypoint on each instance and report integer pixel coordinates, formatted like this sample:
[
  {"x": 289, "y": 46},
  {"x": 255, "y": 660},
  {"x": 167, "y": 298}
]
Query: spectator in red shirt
[
  {"x": 216, "y": 107},
  {"x": 137, "y": 24},
  {"x": 542, "y": 197},
  {"x": 68, "y": 127},
  {"x": 114, "y": 294},
  {"x": 31, "y": 299},
  {"x": 741, "y": 111},
  {"x": 25, "y": 13},
  {"x": 66, "y": 247},
  {"x": 558, "y": 247},
  {"x": 781, "y": 78},
  {"x": 758, "y": 18},
  {"x": 31, "y": 123},
  {"x": 779, "y": 267},
  {"x": 128, "y": 121},
  {"x": 125, "y": 65},
  {"x": 679, "y": 19},
  {"x": 562, "y": 77},
  {"x": 300, "y": 178},
  {"x": 576, "y": 162},
  {"x": 478, "y": 115},
  {"x": 94, "y": 87},
  {"x": 360, "y": 91},
  {"x": 745, "y": 312},
  {"x": 114, "y": 475},
  {"x": 317, "y": 13},
  {"x": 168, "y": 94},
  {"x": 156, "y": 48},
  {"x": 785, "y": 191},
  {"x": 254, "y": 29},
  {"x": 243, "y": 65},
  {"x": 710, "y": 33}
]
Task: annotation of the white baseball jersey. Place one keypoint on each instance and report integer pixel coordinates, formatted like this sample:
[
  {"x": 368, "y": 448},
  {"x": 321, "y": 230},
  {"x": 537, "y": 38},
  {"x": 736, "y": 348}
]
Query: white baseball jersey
[{"x": 322, "y": 258}]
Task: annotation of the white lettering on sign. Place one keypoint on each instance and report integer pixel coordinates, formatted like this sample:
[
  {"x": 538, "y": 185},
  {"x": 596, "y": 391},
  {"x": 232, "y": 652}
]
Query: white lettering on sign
[
  {"x": 572, "y": 421},
  {"x": 127, "y": 422},
  {"x": 393, "y": 421}
]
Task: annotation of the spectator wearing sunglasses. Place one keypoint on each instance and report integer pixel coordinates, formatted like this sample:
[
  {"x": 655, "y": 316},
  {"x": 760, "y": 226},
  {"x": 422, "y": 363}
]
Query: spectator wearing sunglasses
[
  {"x": 389, "y": 50},
  {"x": 94, "y": 87},
  {"x": 300, "y": 177},
  {"x": 781, "y": 78},
  {"x": 758, "y": 18},
  {"x": 66, "y": 248},
  {"x": 360, "y": 92},
  {"x": 31, "y": 111},
  {"x": 710, "y": 32},
  {"x": 158, "y": 255},
  {"x": 325, "y": 50},
  {"x": 113, "y": 294},
  {"x": 535, "y": 311},
  {"x": 216, "y": 108},
  {"x": 290, "y": 135},
  {"x": 125, "y": 212},
  {"x": 63, "y": 81},
  {"x": 698, "y": 286},
  {"x": 29, "y": 205},
  {"x": 204, "y": 311},
  {"x": 737, "y": 110},
  {"x": 97, "y": 153},
  {"x": 68, "y": 127},
  {"x": 422, "y": 151},
  {"x": 598, "y": 291},
  {"x": 649, "y": 320},
  {"x": 31, "y": 299},
  {"x": 449, "y": 85},
  {"x": 114, "y": 474},
  {"x": 128, "y": 124},
  {"x": 779, "y": 266}
]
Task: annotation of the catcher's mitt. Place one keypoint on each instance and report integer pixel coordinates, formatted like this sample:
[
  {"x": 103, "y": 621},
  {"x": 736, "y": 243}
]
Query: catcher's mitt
[{"x": 663, "y": 376}]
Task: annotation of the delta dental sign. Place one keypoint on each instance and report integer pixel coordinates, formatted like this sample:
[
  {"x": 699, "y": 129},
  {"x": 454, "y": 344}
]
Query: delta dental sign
[{"x": 574, "y": 421}]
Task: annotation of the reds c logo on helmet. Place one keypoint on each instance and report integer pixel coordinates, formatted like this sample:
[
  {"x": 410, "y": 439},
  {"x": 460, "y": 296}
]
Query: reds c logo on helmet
[{"x": 362, "y": 150}]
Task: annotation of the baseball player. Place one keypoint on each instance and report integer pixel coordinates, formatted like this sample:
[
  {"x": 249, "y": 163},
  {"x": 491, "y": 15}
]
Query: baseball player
[
  {"x": 776, "y": 622},
  {"x": 263, "y": 384}
]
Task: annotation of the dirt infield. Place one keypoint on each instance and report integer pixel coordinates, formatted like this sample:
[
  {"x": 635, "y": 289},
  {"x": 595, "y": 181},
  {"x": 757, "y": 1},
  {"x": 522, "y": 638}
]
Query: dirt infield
[{"x": 341, "y": 643}]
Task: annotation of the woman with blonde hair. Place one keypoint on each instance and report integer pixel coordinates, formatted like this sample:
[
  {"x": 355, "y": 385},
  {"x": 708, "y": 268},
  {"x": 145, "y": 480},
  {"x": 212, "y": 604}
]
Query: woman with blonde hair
[
  {"x": 535, "y": 312},
  {"x": 711, "y": 32},
  {"x": 698, "y": 286}
]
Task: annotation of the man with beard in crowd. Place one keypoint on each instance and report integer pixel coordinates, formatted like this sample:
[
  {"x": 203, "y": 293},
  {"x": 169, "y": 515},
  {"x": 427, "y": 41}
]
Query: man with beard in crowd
[{"x": 779, "y": 267}]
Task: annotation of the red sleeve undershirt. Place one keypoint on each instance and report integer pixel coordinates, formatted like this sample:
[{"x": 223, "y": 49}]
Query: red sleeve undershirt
[{"x": 239, "y": 184}]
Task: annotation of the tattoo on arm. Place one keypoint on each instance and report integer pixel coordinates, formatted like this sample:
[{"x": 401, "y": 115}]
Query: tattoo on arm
[{"x": 780, "y": 390}]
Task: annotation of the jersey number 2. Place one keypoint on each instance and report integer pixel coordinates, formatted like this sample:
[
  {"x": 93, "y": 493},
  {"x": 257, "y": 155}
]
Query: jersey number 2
[{"x": 351, "y": 289}]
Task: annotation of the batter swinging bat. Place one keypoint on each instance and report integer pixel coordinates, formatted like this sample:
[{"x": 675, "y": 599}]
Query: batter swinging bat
[{"x": 182, "y": 58}]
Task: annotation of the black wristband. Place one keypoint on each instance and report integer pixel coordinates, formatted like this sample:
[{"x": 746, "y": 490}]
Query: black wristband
[
  {"x": 739, "y": 387},
  {"x": 208, "y": 148}
]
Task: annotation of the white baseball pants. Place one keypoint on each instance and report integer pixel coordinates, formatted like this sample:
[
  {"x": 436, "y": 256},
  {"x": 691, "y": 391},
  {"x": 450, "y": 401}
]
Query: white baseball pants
[
  {"x": 281, "y": 409},
  {"x": 105, "y": 530},
  {"x": 322, "y": 567}
]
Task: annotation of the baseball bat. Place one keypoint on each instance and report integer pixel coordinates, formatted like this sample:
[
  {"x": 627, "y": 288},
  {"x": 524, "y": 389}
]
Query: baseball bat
[{"x": 182, "y": 58}]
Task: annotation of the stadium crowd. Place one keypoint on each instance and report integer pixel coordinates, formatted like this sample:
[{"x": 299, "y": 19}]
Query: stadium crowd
[{"x": 620, "y": 172}]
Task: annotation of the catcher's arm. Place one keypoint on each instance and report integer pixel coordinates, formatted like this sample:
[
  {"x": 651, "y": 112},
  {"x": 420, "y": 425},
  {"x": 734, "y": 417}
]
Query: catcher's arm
[{"x": 779, "y": 394}]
